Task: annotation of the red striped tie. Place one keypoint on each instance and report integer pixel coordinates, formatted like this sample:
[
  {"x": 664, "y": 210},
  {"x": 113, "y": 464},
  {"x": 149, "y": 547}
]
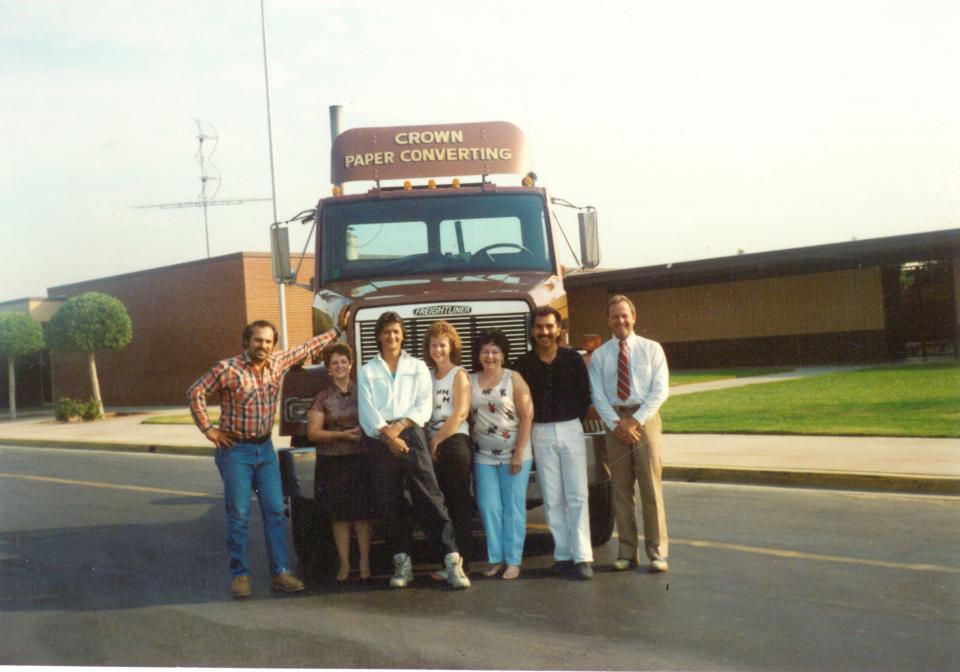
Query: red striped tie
[{"x": 623, "y": 372}]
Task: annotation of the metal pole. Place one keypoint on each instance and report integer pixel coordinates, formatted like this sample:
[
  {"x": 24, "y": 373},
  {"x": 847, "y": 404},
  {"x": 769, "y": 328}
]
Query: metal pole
[
  {"x": 336, "y": 125},
  {"x": 336, "y": 121},
  {"x": 206, "y": 230},
  {"x": 273, "y": 182}
]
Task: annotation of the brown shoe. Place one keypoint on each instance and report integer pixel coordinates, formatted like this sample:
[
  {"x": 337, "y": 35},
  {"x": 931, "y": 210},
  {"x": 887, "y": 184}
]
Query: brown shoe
[
  {"x": 241, "y": 587},
  {"x": 286, "y": 583}
]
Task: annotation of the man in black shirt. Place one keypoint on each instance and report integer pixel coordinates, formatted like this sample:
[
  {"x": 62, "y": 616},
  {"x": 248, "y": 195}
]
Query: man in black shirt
[{"x": 560, "y": 389}]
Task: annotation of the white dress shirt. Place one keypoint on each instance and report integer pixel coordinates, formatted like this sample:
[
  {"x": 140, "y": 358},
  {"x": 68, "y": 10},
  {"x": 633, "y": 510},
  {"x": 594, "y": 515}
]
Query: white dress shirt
[
  {"x": 649, "y": 378},
  {"x": 383, "y": 397}
]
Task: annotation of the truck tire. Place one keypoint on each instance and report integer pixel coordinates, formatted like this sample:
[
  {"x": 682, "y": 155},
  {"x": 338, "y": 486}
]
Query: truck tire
[
  {"x": 601, "y": 513},
  {"x": 313, "y": 539}
]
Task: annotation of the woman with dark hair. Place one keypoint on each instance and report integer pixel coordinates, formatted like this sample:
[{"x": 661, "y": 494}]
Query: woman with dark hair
[
  {"x": 342, "y": 475},
  {"x": 503, "y": 416},
  {"x": 448, "y": 432},
  {"x": 396, "y": 401}
]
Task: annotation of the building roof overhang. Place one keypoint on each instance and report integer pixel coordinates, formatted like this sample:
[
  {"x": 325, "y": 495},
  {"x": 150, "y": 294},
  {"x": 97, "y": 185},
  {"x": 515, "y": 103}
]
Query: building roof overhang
[{"x": 892, "y": 250}]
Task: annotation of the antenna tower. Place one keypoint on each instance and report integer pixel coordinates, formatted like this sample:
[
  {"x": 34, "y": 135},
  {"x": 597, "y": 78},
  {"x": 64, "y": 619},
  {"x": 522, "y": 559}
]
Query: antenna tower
[{"x": 206, "y": 133}]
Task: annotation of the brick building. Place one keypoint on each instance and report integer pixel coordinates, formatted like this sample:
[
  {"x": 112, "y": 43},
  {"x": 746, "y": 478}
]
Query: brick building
[
  {"x": 862, "y": 301},
  {"x": 185, "y": 318}
]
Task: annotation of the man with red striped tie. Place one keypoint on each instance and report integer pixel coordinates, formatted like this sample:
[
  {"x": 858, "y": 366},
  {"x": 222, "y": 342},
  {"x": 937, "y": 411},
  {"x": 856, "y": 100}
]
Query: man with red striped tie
[{"x": 629, "y": 382}]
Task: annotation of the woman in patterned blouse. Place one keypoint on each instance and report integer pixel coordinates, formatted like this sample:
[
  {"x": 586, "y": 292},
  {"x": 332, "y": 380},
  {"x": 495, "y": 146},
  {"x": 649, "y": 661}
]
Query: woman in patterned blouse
[
  {"x": 502, "y": 420},
  {"x": 342, "y": 476}
]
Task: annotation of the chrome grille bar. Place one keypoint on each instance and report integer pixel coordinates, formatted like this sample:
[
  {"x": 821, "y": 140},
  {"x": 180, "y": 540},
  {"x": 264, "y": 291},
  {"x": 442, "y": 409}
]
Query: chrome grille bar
[{"x": 514, "y": 326}]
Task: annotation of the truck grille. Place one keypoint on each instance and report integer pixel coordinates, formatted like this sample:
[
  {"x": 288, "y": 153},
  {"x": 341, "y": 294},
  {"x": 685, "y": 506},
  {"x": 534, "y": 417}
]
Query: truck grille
[{"x": 513, "y": 325}]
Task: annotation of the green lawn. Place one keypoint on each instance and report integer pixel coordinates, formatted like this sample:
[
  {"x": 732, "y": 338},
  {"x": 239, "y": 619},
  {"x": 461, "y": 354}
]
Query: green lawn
[
  {"x": 676, "y": 378},
  {"x": 183, "y": 419},
  {"x": 688, "y": 376},
  {"x": 904, "y": 400}
]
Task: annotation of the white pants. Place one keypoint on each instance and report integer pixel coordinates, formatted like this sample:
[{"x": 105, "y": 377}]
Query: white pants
[{"x": 561, "y": 454}]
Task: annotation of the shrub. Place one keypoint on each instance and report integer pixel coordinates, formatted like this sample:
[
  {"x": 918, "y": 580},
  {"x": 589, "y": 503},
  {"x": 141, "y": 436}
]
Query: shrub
[
  {"x": 90, "y": 409},
  {"x": 68, "y": 408}
]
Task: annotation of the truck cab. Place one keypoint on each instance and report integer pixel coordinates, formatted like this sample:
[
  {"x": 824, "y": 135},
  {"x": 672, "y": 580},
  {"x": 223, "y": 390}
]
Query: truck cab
[{"x": 477, "y": 254}]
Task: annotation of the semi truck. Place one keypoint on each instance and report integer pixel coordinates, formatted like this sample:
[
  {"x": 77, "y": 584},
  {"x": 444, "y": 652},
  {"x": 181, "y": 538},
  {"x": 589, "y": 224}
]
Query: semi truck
[{"x": 433, "y": 237}]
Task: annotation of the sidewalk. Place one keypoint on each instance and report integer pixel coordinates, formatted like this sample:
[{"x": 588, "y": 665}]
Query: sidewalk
[
  {"x": 922, "y": 466},
  {"x": 794, "y": 374},
  {"x": 926, "y": 466}
]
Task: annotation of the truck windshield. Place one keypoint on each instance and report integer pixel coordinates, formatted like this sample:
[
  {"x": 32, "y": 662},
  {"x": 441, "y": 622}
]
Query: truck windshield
[{"x": 483, "y": 233}]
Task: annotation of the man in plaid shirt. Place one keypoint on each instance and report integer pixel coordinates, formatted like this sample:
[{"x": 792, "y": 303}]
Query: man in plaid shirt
[{"x": 249, "y": 387}]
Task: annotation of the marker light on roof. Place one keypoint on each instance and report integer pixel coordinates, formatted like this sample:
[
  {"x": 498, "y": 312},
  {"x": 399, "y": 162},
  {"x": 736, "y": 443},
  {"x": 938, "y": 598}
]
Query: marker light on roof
[
  {"x": 527, "y": 181},
  {"x": 337, "y": 191},
  {"x": 432, "y": 184},
  {"x": 456, "y": 182},
  {"x": 407, "y": 185}
]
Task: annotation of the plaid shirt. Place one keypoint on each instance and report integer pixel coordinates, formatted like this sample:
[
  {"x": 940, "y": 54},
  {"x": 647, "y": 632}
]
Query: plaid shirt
[{"x": 248, "y": 398}]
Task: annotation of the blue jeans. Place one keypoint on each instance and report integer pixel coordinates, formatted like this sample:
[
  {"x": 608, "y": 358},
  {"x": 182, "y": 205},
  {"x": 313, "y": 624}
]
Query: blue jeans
[
  {"x": 502, "y": 500},
  {"x": 245, "y": 468}
]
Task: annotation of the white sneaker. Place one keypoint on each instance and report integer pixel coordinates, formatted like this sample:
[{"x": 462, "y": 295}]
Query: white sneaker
[
  {"x": 455, "y": 575},
  {"x": 658, "y": 565},
  {"x": 402, "y": 571}
]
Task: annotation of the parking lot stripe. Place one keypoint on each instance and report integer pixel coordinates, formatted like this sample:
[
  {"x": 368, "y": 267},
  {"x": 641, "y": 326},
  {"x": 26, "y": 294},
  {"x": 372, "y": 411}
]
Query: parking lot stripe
[
  {"x": 802, "y": 555},
  {"x": 109, "y": 486}
]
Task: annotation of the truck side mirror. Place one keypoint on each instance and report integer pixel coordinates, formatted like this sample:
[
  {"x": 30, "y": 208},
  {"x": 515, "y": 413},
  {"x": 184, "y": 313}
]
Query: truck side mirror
[
  {"x": 280, "y": 254},
  {"x": 589, "y": 239}
]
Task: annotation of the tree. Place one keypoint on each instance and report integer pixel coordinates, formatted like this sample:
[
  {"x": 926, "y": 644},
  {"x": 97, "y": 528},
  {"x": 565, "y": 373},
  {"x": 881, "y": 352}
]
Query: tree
[
  {"x": 89, "y": 323},
  {"x": 19, "y": 335}
]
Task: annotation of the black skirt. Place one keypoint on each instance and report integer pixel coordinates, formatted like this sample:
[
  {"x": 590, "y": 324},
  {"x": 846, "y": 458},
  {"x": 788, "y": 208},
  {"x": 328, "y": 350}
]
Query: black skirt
[{"x": 342, "y": 483}]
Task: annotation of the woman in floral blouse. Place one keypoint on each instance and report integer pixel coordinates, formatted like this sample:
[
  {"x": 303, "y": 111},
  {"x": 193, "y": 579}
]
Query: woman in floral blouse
[{"x": 502, "y": 420}]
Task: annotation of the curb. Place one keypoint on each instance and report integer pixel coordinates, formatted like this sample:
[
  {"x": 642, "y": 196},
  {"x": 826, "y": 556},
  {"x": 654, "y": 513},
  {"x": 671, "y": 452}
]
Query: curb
[
  {"x": 829, "y": 480},
  {"x": 823, "y": 479},
  {"x": 200, "y": 451}
]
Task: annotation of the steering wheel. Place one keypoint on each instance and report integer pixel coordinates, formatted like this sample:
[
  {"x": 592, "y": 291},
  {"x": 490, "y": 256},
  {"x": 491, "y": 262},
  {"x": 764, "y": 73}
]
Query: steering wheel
[
  {"x": 420, "y": 256},
  {"x": 484, "y": 252}
]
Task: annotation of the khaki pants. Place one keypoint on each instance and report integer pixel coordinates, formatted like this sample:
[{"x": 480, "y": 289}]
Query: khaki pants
[{"x": 639, "y": 463}]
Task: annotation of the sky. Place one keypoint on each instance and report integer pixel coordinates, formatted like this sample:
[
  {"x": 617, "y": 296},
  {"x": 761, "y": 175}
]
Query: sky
[{"x": 696, "y": 128}]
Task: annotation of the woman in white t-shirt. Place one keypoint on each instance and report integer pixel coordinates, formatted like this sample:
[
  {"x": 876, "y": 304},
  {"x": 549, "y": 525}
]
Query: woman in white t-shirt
[
  {"x": 502, "y": 420},
  {"x": 448, "y": 432}
]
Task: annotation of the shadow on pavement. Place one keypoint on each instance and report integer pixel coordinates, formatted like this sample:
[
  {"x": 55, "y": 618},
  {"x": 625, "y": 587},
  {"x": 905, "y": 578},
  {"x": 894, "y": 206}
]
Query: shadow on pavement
[
  {"x": 122, "y": 566},
  {"x": 106, "y": 567}
]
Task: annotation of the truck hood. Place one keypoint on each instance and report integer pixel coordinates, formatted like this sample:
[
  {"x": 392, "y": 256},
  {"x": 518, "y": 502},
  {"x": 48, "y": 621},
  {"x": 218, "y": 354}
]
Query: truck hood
[{"x": 376, "y": 291}]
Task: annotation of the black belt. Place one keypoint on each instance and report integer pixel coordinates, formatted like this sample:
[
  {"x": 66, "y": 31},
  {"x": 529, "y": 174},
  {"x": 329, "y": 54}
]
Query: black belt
[{"x": 263, "y": 438}]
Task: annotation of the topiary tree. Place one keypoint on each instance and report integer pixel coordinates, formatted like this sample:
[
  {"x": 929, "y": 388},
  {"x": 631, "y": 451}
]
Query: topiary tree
[
  {"x": 89, "y": 323},
  {"x": 20, "y": 335}
]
